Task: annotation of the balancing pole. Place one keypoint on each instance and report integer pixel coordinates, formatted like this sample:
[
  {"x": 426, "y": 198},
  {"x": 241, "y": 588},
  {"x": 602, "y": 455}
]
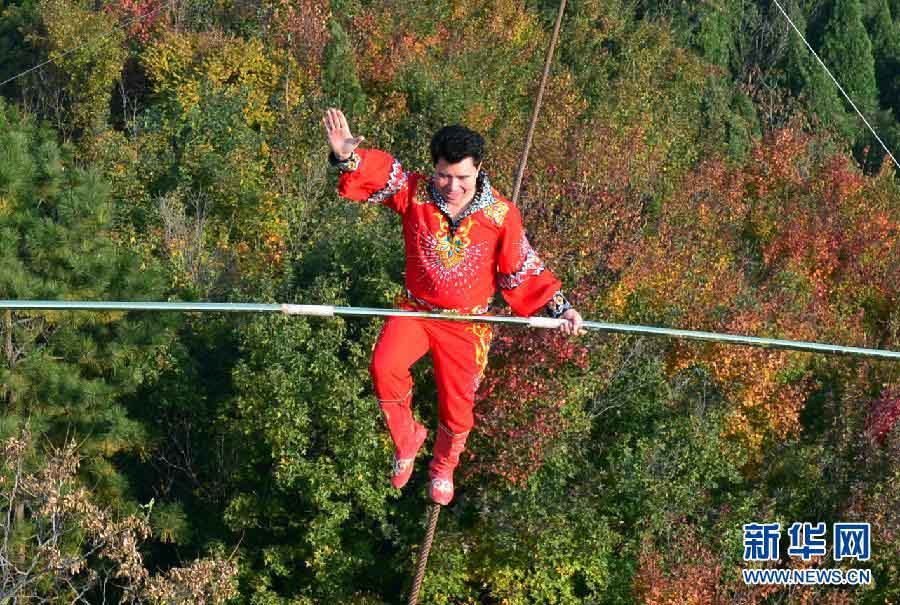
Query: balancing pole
[{"x": 531, "y": 322}]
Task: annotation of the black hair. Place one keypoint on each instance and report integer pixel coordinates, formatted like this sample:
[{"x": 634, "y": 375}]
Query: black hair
[{"x": 455, "y": 143}]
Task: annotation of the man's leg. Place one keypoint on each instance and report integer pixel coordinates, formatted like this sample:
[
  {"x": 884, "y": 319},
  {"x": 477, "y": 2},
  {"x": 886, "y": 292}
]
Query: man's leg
[
  {"x": 401, "y": 343},
  {"x": 460, "y": 356}
]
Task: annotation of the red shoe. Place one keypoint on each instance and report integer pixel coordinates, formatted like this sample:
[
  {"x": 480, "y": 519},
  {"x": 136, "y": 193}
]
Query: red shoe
[
  {"x": 407, "y": 435},
  {"x": 447, "y": 448},
  {"x": 403, "y": 464},
  {"x": 441, "y": 490}
]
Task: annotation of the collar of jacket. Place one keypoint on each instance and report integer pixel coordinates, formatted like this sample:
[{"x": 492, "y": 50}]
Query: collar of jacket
[{"x": 484, "y": 197}]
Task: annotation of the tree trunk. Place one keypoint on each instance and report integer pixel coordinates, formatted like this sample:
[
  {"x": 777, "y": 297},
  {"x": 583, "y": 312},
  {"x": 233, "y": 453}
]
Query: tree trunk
[
  {"x": 7, "y": 330},
  {"x": 10, "y": 398},
  {"x": 10, "y": 354}
]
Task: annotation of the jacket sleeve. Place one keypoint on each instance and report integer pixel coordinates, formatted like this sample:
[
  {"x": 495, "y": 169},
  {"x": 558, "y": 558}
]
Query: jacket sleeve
[
  {"x": 524, "y": 282},
  {"x": 370, "y": 175}
]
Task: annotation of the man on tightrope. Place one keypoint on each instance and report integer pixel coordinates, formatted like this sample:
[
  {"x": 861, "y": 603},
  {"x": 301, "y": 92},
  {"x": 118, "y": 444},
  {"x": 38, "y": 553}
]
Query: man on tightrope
[{"x": 462, "y": 241}]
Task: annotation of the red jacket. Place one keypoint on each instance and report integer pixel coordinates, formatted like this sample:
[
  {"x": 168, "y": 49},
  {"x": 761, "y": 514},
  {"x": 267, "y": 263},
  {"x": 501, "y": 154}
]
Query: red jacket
[{"x": 455, "y": 265}]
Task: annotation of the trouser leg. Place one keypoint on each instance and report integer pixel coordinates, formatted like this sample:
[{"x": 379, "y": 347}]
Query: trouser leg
[
  {"x": 402, "y": 342},
  {"x": 460, "y": 356}
]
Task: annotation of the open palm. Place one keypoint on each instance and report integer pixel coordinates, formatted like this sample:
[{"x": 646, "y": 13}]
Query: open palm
[{"x": 339, "y": 137}]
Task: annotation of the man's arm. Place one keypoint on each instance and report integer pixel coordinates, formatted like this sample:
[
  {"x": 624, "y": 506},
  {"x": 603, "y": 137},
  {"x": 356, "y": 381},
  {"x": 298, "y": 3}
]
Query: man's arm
[
  {"x": 367, "y": 175},
  {"x": 525, "y": 283}
]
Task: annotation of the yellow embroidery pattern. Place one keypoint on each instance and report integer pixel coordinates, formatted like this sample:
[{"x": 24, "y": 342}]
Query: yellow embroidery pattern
[
  {"x": 451, "y": 248},
  {"x": 408, "y": 299},
  {"x": 484, "y": 334},
  {"x": 497, "y": 212},
  {"x": 422, "y": 197}
]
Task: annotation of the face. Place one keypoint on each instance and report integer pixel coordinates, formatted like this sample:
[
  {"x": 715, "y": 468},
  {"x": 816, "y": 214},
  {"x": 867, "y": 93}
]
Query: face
[{"x": 456, "y": 182}]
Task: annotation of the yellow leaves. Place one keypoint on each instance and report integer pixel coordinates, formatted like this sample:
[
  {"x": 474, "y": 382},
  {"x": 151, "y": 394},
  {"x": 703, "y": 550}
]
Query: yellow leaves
[
  {"x": 86, "y": 71},
  {"x": 618, "y": 297},
  {"x": 767, "y": 402},
  {"x": 167, "y": 62},
  {"x": 181, "y": 65}
]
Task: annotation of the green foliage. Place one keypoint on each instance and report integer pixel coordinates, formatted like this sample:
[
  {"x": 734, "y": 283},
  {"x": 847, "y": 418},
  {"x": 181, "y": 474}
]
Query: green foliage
[
  {"x": 884, "y": 30},
  {"x": 74, "y": 90},
  {"x": 16, "y": 18},
  {"x": 66, "y": 370},
  {"x": 808, "y": 80},
  {"x": 847, "y": 50},
  {"x": 673, "y": 180},
  {"x": 339, "y": 80}
]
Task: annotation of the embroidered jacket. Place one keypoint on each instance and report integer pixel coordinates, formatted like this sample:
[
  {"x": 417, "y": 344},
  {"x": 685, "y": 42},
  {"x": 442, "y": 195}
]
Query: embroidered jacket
[{"x": 455, "y": 265}]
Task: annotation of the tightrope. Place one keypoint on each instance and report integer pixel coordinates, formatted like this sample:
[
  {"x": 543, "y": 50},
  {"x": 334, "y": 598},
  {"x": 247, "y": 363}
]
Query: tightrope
[
  {"x": 532, "y": 322},
  {"x": 423, "y": 554}
]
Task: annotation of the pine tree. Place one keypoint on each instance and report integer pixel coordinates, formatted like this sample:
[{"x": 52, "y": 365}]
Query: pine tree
[
  {"x": 885, "y": 35},
  {"x": 807, "y": 80},
  {"x": 339, "y": 79},
  {"x": 65, "y": 371},
  {"x": 847, "y": 51}
]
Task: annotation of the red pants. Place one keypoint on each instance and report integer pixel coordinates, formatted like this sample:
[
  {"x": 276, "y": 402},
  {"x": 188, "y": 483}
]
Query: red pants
[{"x": 459, "y": 350}]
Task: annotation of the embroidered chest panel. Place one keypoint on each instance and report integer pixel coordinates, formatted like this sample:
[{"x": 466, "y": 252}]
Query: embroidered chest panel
[
  {"x": 452, "y": 256},
  {"x": 485, "y": 200},
  {"x": 450, "y": 259}
]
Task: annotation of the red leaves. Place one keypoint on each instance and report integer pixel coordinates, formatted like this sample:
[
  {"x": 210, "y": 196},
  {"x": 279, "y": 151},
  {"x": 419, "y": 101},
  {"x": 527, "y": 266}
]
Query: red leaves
[
  {"x": 139, "y": 15},
  {"x": 883, "y": 415},
  {"x": 692, "y": 582},
  {"x": 302, "y": 27},
  {"x": 519, "y": 406},
  {"x": 789, "y": 244}
]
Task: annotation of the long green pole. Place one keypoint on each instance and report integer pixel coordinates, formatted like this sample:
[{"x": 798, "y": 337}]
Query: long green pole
[{"x": 533, "y": 322}]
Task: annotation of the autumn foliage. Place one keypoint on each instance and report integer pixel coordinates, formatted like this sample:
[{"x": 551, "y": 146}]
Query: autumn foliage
[{"x": 692, "y": 168}]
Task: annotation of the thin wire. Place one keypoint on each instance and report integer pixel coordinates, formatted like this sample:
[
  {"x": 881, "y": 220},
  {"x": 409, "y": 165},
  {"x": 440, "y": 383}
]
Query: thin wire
[
  {"x": 838, "y": 84},
  {"x": 87, "y": 43}
]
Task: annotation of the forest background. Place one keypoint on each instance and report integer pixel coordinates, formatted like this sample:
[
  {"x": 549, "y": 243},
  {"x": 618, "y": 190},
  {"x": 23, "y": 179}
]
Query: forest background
[{"x": 693, "y": 167}]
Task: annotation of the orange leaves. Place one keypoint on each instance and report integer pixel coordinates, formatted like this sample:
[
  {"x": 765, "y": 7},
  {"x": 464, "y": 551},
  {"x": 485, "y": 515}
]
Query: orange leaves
[
  {"x": 789, "y": 245},
  {"x": 693, "y": 582},
  {"x": 690, "y": 263},
  {"x": 302, "y": 27},
  {"x": 384, "y": 48},
  {"x": 838, "y": 231},
  {"x": 775, "y": 163}
]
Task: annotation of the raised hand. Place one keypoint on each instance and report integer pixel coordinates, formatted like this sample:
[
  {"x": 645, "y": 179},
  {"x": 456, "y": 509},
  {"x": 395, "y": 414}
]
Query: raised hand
[{"x": 342, "y": 142}]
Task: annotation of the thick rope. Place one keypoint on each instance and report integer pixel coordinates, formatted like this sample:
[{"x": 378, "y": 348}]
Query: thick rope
[
  {"x": 423, "y": 554},
  {"x": 520, "y": 173}
]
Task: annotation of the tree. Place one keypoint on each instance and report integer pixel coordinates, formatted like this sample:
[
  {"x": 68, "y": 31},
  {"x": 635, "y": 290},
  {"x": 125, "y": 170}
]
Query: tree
[
  {"x": 15, "y": 20},
  {"x": 885, "y": 33},
  {"x": 847, "y": 51},
  {"x": 806, "y": 79},
  {"x": 88, "y": 55},
  {"x": 66, "y": 371},
  {"x": 72, "y": 550},
  {"x": 340, "y": 82}
]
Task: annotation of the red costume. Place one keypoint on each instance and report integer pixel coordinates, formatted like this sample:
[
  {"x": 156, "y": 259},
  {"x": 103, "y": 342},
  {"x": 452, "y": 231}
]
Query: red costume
[{"x": 451, "y": 265}]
